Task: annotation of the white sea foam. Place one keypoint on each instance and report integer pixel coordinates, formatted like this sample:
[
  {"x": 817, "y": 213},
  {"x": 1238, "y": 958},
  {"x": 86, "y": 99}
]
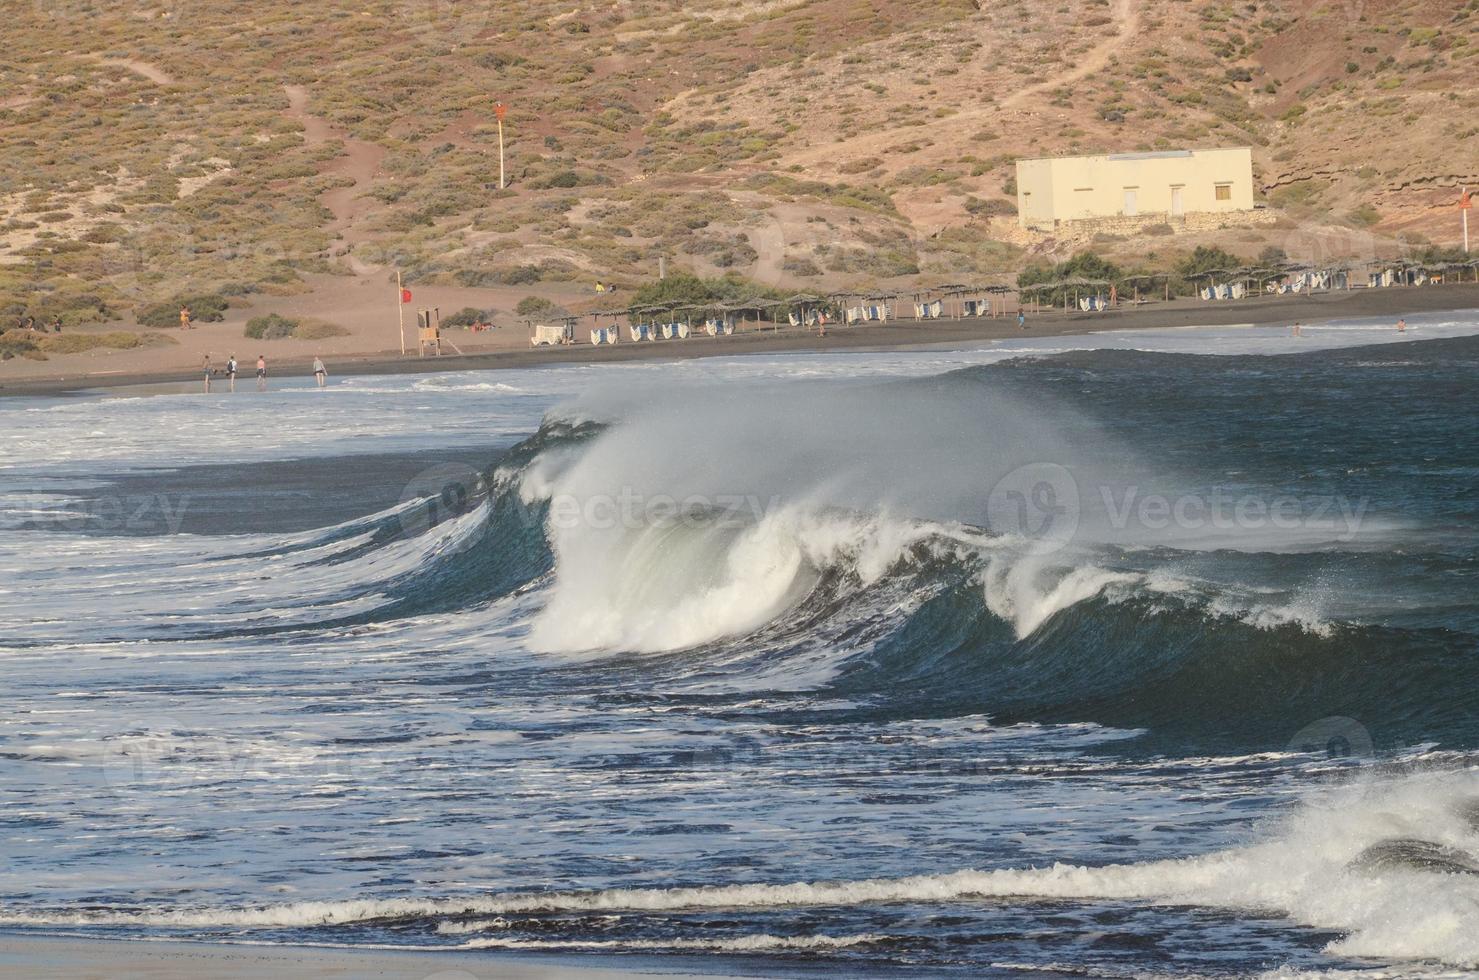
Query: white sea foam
[{"x": 1304, "y": 865}]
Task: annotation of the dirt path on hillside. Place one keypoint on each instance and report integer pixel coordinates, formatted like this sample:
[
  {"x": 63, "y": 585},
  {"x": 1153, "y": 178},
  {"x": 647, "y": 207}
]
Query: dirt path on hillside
[
  {"x": 1127, "y": 14},
  {"x": 1127, "y": 17},
  {"x": 143, "y": 69},
  {"x": 360, "y": 163}
]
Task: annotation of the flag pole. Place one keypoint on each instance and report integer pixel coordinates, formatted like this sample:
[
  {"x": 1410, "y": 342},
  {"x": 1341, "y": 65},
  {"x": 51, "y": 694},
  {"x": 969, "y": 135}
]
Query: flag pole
[
  {"x": 1466, "y": 203},
  {"x": 498, "y": 110},
  {"x": 400, "y": 310}
]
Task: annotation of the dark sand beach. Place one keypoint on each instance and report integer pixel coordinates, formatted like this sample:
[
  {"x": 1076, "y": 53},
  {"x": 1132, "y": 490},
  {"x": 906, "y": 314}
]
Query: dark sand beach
[{"x": 905, "y": 333}]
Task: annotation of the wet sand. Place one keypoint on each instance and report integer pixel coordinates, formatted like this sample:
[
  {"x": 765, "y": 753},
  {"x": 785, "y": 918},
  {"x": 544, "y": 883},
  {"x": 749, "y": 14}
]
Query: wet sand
[{"x": 898, "y": 334}]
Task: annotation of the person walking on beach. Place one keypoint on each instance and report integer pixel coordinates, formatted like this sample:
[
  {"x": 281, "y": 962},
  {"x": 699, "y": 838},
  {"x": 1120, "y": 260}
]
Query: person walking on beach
[
  {"x": 207, "y": 373},
  {"x": 320, "y": 375},
  {"x": 261, "y": 372},
  {"x": 231, "y": 371},
  {"x": 1021, "y": 320}
]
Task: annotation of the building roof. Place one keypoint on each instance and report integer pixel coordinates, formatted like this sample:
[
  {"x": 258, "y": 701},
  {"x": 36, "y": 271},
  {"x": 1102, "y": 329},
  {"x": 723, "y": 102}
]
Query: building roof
[{"x": 1151, "y": 155}]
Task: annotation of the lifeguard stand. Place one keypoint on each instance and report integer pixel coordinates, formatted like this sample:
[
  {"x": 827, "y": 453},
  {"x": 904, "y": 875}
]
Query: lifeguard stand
[{"x": 429, "y": 331}]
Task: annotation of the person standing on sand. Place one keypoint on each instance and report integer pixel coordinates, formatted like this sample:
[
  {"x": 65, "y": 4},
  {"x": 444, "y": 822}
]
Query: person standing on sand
[
  {"x": 231, "y": 371},
  {"x": 1021, "y": 320},
  {"x": 319, "y": 373},
  {"x": 185, "y": 318},
  {"x": 261, "y": 372},
  {"x": 207, "y": 373}
]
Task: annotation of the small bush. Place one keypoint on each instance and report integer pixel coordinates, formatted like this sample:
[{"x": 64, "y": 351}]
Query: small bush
[
  {"x": 204, "y": 308},
  {"x": 74, "y": 343},
  {"x": 467, "y": 316},
  {"x": 801, "y": 266},
  {"x": 270, "y": 327},
  {"x": 535, "y": 306}
]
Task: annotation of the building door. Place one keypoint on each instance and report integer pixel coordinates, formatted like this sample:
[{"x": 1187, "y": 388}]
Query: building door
[
  {"x": 1178, "y": 206},
  {"x": 1131, "y": 208}
]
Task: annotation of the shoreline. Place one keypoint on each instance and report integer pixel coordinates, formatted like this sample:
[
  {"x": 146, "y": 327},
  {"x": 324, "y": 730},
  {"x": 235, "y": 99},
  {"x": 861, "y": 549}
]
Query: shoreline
[
  {"x": 895, "y": 335},
  {"x": 51, "y": 957}
]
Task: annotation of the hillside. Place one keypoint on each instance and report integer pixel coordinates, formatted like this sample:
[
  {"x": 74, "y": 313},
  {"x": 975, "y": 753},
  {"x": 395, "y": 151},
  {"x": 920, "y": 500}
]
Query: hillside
[{"x": 152, "y": 148}]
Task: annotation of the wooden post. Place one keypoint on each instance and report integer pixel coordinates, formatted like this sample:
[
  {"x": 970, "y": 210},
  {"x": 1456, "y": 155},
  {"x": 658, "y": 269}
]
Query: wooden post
[{"x": 400, "y": 309}]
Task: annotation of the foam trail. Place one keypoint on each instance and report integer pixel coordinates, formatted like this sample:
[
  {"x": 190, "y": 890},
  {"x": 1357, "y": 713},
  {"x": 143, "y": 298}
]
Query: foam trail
[{"x": 1309, "y": 866}]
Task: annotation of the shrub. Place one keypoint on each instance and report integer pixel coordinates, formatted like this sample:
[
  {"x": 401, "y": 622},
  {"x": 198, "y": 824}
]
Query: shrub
[
  {"x": 467, "y": 316},
  {"x": 801, "y": 266},
  {"x": 204, "y": 308},
  {"x": 535, "y": 306},
  {"x": 16, "y": 343},
  {"x": 73, "y": 343},
  {"x": 270, "y": 327}
]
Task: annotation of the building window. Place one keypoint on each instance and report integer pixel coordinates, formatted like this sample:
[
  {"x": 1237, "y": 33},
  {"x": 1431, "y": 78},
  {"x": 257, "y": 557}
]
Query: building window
[{"x": 1224, "y": 192}]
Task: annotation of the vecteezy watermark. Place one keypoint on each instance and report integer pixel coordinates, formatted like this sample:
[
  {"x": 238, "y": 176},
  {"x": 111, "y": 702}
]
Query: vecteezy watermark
[
  {"x": 141, "y": 513},
  {"x": 442, "y": 493},
  {"x": 1044, "y": 505},
  {"x": 1221, "y": 511},
  {"x": 631, "y": 510},
  {"x": 1336, "y": 737},
  {"x": 1038, "y": 503},
  {"x": 162, "y": 752}
]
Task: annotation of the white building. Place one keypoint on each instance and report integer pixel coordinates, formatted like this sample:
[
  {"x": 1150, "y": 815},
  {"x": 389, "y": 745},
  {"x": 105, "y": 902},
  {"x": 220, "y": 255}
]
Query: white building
[{"x": 1173, "y": 183}]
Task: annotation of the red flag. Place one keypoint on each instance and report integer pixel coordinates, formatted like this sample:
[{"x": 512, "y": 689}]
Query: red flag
[{"x": 405, "y": 296}]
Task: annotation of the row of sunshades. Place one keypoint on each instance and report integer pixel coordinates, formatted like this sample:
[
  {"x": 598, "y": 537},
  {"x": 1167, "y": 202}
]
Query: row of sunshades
[
  {"x": 1308, "y": 282},
  {"x": 637, "y": 332}
]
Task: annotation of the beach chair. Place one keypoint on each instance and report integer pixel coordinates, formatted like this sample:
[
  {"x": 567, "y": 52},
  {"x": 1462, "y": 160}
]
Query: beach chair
[
  {"x": 1208, "y": 293},
  {"x": 1239, "y": 290}
]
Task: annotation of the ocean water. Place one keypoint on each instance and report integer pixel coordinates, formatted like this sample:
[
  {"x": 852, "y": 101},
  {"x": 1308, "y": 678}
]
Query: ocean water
[{"x": 1138, "y": 654}]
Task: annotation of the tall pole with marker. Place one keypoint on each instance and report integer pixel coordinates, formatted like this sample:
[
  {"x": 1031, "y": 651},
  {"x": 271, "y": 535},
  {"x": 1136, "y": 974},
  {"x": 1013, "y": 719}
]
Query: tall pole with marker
[
  {"x": 402, "y": 297},
  {"x": 499, "y": 109},
  {"x": 1465, "y": 205}
]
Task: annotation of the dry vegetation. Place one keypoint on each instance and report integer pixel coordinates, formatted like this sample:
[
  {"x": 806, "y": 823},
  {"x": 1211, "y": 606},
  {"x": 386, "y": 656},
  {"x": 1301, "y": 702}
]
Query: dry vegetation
[{"x": 148, "y": 149}]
